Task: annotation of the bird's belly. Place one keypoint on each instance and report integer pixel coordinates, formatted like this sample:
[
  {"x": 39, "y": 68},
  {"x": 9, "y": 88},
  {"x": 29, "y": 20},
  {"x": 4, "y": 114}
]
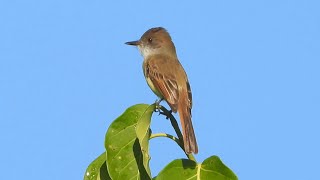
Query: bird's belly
[{"x": 153, "y": 88}]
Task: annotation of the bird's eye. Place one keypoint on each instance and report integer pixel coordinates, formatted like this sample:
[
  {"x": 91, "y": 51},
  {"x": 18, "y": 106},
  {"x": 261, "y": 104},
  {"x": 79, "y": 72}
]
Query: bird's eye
[{"x": 150, "y": 40}]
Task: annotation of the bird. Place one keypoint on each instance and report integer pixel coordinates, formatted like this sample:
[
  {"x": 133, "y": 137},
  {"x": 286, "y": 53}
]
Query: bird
[{"x": 167, "y": 79}]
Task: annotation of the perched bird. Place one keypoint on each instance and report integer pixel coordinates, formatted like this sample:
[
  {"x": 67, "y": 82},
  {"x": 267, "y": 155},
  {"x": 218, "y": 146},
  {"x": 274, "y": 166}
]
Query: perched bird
[{"x": 167, "y": 78}]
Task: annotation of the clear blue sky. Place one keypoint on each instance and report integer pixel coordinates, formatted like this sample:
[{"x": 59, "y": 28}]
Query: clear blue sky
[{"x": 254, "y": 68}]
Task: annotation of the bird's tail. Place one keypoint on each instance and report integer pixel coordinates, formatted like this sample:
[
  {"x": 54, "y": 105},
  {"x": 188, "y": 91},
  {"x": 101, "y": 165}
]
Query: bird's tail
[{"x": 189, "y": 138}]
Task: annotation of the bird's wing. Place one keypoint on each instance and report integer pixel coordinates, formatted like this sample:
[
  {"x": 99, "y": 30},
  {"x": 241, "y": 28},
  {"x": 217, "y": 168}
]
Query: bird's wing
[
  {"x": 165, "y": 84},
  {"x": 189, "y": 97}
]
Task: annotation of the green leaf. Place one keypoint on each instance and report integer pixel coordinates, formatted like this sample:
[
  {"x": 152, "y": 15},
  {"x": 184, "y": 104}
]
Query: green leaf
[
  {"x": 124, "y": 155},
  {"x": 211, "y": 169},
  {"x": 179, "y": 169},
  {"x": 143, "y": 134},
  {"x": 97, "y": 170}
]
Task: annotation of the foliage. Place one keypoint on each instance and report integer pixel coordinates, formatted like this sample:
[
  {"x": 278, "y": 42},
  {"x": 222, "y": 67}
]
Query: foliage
[{"x": 127, "y": 152}]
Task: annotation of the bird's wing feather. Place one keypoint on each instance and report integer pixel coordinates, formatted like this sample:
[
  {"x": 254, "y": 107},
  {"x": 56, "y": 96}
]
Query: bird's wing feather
[
  {"x": 165, "y": 84},
  {"x": 189, "y": 97}
]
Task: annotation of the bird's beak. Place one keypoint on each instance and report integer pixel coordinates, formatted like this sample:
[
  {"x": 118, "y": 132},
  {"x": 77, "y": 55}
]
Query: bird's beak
[{"x": 133, "y": 43}]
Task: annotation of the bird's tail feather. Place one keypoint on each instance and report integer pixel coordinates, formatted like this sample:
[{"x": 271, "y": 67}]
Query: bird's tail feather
[{"x": 189, "y": 138}]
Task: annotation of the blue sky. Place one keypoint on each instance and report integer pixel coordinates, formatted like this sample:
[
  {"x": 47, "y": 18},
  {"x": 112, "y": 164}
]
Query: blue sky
[{"x": 65, "y": 75}]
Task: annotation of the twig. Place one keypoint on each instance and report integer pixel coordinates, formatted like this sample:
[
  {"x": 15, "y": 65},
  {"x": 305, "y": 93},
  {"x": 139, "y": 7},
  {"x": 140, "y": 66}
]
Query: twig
[{"x": 176, "y": 128}]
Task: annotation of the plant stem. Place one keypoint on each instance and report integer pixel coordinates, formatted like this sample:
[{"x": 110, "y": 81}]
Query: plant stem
[
  {"x": 176, "y": 128},
  {"x": 173, "y": 121}
]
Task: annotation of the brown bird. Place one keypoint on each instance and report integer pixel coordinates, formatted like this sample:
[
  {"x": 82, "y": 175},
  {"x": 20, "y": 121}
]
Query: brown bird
[{"x": 167, "y": 78}]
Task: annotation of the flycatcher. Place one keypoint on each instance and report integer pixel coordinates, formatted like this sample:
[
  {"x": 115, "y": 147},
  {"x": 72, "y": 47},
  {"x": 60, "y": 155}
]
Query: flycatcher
[{"x": 167, "y": 78}]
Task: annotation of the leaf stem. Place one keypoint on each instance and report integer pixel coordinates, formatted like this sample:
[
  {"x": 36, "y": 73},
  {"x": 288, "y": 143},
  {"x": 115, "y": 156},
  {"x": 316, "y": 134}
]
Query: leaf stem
[
  {"x": 175, "y": 139},
  {"x": 167, "y": 136}
]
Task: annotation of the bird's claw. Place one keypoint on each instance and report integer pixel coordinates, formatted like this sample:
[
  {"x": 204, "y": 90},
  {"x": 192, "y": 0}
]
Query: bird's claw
[
  {"x": 158, "y": 106},
  {"x": 158, "y": 109}
]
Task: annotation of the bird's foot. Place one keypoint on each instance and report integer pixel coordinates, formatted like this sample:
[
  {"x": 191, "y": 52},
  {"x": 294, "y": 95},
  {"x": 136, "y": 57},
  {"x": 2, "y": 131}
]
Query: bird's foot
[{"x": 158, "y": 106}]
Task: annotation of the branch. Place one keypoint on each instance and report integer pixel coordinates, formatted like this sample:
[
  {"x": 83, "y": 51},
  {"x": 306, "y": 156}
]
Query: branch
[{"x": 176, "y": 128}]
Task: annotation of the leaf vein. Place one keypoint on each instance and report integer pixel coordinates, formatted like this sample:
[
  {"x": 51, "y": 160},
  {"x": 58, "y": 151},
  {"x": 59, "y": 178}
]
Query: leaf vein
[
  {"x": 208, "y": 170},
  {"x": 121, "y": 131},
  {"x": 121, "y": 149}
]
